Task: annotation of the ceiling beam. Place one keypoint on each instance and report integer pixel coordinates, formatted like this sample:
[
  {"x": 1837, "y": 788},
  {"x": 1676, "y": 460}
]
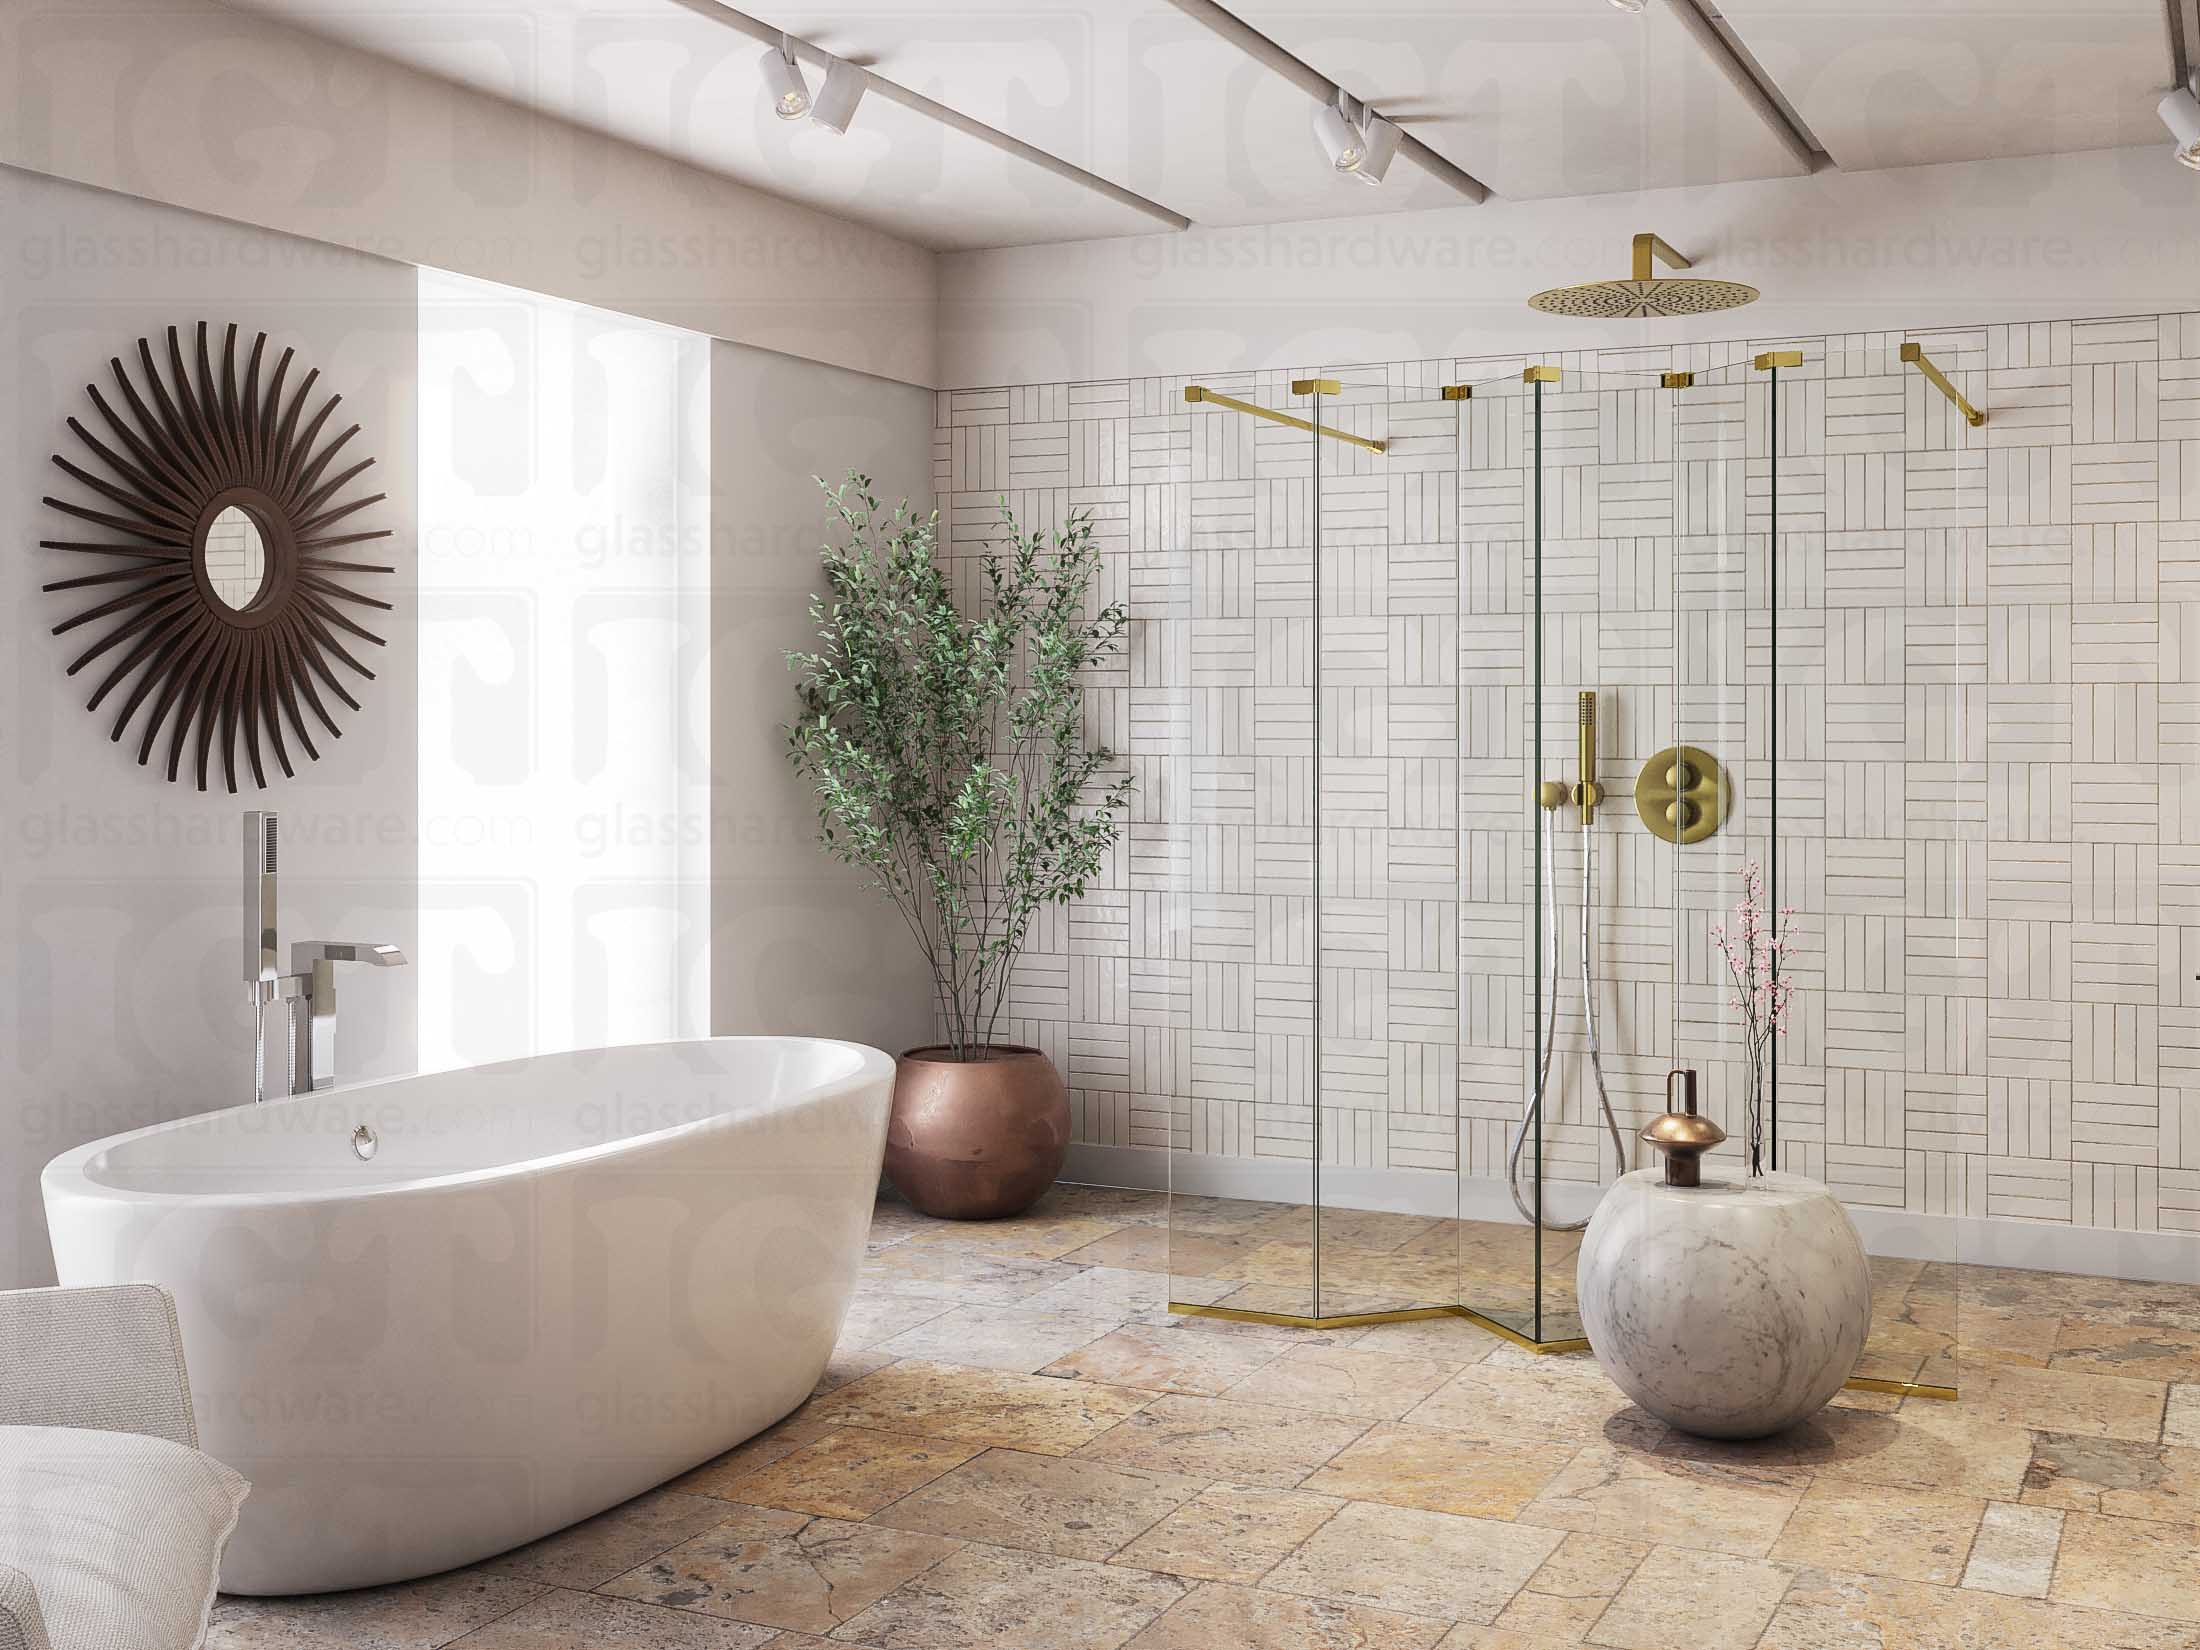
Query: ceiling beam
[
  {"x": 1321, "y": 88},
  {"x": 1716, "y": 36},
  {"x": 771, "y": 35}
]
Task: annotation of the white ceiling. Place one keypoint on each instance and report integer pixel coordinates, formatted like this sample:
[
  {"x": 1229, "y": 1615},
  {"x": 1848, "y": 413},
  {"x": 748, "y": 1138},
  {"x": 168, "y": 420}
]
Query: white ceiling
[{"x": 1536, "y": 98}]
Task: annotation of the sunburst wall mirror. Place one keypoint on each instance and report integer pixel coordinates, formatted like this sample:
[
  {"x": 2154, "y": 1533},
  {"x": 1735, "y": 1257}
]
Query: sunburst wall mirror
[{"x": 228, "y": 627}]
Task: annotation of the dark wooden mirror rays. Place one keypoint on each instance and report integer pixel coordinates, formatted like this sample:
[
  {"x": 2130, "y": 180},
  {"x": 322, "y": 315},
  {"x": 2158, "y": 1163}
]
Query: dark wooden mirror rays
[{"x": 176, "y": 449}]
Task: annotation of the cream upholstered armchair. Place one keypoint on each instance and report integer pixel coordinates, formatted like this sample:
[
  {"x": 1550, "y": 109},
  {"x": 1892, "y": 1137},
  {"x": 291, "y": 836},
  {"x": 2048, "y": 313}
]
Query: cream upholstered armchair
[{"x": 112, "y": 1523}]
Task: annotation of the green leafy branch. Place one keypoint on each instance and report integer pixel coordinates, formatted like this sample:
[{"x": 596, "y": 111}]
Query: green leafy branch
[{"x": 948, "y": 752}]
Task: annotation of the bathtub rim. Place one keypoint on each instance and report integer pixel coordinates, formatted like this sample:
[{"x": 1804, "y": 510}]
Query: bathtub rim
[{"x": 67, "y": 1175}]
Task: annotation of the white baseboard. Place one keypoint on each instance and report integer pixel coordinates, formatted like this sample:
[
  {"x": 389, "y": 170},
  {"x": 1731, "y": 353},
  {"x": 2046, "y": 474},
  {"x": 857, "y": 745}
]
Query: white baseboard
[{"x": 2026, "y": 1245}]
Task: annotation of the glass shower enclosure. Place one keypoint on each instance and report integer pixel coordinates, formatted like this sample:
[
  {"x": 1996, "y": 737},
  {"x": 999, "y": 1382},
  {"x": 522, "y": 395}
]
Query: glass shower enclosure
[{"x": 1485, "y": 707}]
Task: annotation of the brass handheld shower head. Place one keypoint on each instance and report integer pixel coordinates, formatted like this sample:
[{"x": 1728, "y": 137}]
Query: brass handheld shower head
[{"x": 1645, "y": 295}]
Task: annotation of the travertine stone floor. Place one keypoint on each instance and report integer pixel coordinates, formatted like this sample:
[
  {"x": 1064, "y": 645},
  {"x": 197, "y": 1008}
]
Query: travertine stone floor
[{"x": 1018, "y": 1448}]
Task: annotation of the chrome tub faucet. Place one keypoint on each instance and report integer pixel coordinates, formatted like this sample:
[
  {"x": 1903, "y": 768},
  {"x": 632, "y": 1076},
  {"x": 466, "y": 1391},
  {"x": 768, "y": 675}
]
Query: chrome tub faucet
[{"x": 302, "y": 1002}]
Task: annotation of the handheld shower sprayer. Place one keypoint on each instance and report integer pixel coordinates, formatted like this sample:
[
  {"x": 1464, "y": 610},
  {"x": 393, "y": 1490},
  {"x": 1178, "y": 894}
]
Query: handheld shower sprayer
[{"x": 1585, "y": 793}]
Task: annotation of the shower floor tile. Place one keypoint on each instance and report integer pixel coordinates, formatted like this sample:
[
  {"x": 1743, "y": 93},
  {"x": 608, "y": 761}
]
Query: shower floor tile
[{"x": 1017, "y": 1447}]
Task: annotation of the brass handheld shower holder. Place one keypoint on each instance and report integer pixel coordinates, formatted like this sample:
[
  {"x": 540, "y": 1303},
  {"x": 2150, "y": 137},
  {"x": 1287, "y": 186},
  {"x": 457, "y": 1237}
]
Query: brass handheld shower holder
[{"x": 1585, "y": 793}]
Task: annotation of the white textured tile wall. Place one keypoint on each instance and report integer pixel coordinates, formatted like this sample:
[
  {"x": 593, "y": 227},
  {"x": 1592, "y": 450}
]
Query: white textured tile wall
[{"x": 1988, "y": 717}]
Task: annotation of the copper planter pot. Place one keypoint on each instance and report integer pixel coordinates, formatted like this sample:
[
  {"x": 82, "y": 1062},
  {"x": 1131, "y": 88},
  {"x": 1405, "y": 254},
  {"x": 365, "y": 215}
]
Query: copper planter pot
[{"x": 976, "y": 1139}]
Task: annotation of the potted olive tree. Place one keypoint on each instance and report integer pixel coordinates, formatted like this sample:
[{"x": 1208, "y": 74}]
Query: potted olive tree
[{"x": 949, "y": 757}]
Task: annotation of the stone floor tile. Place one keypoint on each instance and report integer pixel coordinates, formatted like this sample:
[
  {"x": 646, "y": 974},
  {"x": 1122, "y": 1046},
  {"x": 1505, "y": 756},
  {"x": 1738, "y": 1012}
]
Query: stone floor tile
[
  {"x": 2133, "y": 1565},
  {"x": 613, "y": 1542},
  {"x": 1589, "y": 1566},
  {"x": 1549, "y": 1618},
  {"x": 1684, "y": 1503},
  {"x": 961, "y": 1277},
  {"x": 2181, "y": 1424},
  {"x": 1025, "y": 1237},
  {"x": 1914, "y": 1535},
  {"x": 1703, "y": 1600},
  {"x": 873, "y": 1317},
  {"x": 1512, "y": 1397},
  {"x": 1176, "y": 1255},
  {"x": 409, "y": 1615},
  {"x": 850, "y": 1473},
  {"x": 1230, "y": 1532},
  {"x": 988, "y": 1596},
  {"x": 2143, "y": 1352},
  {"x": 1422, "y": 1563},
  {"x": 1928, "y": 1444},
  {"x": 1125, "y": 1204},
  {"x": 781, "y": 1569},
  {"x": 2014, "y": 1551},
  {"x": 997, "y": 1337},
  {"x": 1428, "y": 1467},
  {"x": 1027, "y": 1412},
  {"x": 2110, "y": 1475},
  {"x": 1831, "y": 1610},
  {"x": 1448, "y": 1339},
  {"x": 766, "y": 1447},
  {"x": 1120, "y": 1293},
  {"x": 562, "y": 1620},
  {"x": 848, "y": 1365},
  {"x": 2059, "y": 1400},
  {"x": 1370, "y": 1386},
  {"x": 1166, "y": 1359},
  {"x": 1242, "y": 1618},
  {"x": 1215, "y": 1438},
  {"x": 1065, "y": 1505}
]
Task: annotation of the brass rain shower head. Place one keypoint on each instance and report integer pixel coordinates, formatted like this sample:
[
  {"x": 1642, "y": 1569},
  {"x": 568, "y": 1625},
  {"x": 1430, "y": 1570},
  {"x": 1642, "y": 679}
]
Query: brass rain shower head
[{"x": 1643, "y": 294}]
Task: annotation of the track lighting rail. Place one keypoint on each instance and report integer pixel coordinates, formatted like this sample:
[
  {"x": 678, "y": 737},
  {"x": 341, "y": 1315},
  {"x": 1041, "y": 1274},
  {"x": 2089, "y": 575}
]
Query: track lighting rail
[
  {"x": 1917, "y": 358},
  {"x": 771, "y": 35},
  {"x": 1196, "y": 393}
]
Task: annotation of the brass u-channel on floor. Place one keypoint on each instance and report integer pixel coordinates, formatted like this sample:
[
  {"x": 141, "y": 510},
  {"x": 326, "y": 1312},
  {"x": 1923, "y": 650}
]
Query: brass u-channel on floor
[
  {"x": 1196, "y": 393},
  {"x": 1422, "y": 1314}
]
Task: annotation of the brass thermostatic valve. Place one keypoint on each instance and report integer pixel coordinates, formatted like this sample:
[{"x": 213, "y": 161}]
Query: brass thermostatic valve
[{"x": 1683, "y": 794}]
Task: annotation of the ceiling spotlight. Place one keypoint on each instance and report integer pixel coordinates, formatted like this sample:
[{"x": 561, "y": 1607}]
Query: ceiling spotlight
[
  {"x": 1381, "y": 140},
  {"x": 790, "y": 93},
  {"x": 1339, "y": 136},
  {"x": 1632, "y": 8},
  {"x": 2180, "y": 112},
  {"x": 838, "y": 97}
]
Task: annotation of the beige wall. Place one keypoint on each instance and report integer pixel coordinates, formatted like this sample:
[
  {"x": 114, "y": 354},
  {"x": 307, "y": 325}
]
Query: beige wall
[
  {"x": 122, "y": 1001},
  {"x": 801, "y": 946},
  {"x": 235, "y": 115},
  {"x": 2112, "y": 232}
]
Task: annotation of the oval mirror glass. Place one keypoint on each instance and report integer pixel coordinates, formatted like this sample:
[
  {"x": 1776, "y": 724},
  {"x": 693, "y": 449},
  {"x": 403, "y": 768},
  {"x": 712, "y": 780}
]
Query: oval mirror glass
[{"x": 235, "y": 558}]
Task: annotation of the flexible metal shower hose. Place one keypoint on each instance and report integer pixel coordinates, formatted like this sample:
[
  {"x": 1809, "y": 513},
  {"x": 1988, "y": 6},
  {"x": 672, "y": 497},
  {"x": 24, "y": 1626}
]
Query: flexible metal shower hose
[{"x": 1534, "y": 1107}]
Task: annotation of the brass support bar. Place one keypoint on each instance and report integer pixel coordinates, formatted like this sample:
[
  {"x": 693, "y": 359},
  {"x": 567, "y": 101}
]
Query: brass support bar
[
  {"x": 1778, "y": 358},
  {"x": 1199, "y": 392},
  {"x": 1917, "y": 358},
  {"x": 1422, "y": 1314},
  {"x": 1648, "y": 245}
]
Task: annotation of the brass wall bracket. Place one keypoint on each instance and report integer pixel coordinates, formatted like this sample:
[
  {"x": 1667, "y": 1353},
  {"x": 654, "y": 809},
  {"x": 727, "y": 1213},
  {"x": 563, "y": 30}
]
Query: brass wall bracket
[
  {"x": 1458, "y": 392},
  {"x": 1916, "y": 356},
  {"x": 1539, "y": 375},
  {"x": 1777, "y": 358},
  {"x": 1676, "y": 380},
  {"x": 1683, "y": 795},
  {"x": 1196, "y": 393}
]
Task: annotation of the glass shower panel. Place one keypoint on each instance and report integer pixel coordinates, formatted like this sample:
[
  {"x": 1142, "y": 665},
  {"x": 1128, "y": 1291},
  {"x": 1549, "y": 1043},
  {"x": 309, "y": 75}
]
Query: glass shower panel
[
  {"x": 1387, "y": 1105},
  {"x": 1502, "y": 928},
  {"x": 1242, "y": 1161}
]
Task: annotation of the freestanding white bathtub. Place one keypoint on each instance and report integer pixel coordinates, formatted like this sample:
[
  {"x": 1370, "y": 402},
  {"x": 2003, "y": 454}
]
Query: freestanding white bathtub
[{"x": 554, "y": 1283}]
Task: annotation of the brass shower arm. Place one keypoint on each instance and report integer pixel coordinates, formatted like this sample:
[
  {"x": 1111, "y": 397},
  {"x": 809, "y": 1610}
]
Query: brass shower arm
[
  {"x": 1647, "y": 244},
  {"x": 1917, "y": 358},
  {"x": 1199, "y": 392}
]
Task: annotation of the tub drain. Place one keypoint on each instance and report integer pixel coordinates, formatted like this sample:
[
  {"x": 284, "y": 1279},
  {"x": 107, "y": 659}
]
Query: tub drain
[{"x": 363, "y": 1142}]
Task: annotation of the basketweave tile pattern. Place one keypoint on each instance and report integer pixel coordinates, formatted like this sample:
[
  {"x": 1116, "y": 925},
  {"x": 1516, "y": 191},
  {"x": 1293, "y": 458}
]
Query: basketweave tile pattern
[{"x": 1988, "y": 722}]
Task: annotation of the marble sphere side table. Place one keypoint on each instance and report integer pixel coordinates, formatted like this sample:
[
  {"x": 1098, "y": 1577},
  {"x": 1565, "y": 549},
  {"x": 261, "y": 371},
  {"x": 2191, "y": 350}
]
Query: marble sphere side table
[{"x": 1733, "y": 1308}]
